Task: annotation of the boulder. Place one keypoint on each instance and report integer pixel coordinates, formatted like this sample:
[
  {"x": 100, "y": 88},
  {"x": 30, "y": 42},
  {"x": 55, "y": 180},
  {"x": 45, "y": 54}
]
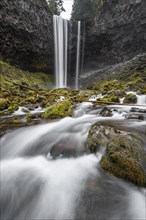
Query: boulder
[
  {"x": 58, "y": 110},
  {"x": 124, "y": 154},
  {"x": 106, "y": 112},
  {"x": 130, "y": 99}
]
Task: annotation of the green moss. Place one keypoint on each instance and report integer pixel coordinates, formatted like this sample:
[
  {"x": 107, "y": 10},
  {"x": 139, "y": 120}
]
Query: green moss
[
  {"x": 58, "y": 110},
  {"x": 82, "y": 95},
  {"x": 130, "y": 99},
  {"x": 123, "y": 167},
  {"x": 10, "y": 74},
  {"x": 13, "y": 108},
  {"x": 3, "y": 103},
  {"x": 109, "y": 99},
  {"x": 100, "y": 4},
  {"x": 124, "y": 156},
  {"x": 19, "y": 87},
  {"x": 96, "y": 140}
]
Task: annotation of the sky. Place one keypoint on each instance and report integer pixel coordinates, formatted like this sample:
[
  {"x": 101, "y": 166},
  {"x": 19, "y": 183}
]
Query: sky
[{"x": 68, "y": 8}]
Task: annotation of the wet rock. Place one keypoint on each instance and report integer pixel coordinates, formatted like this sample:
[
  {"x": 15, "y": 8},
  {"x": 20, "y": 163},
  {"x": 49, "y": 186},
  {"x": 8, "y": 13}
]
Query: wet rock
[
  {"x": 135, "y": 116},
  {"x": 25, "y": 110},
  {"x": 142, "y": 110},
  {"x": 134, "y": 109},
  {"x": 124, "y": 155},
  {"x": 106, "y": 112}
]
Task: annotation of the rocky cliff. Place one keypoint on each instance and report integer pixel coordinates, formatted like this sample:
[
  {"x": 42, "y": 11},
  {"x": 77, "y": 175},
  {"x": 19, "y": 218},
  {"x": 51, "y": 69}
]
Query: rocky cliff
[
  {"x": 26, "y": 34},
  {"x": 117, "y": 33}
]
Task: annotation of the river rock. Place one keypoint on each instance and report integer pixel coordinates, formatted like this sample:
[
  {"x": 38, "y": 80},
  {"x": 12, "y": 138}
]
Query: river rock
[
  {"x": 142, "y": 110},
  {"x": 106, "y": 112},
  {"x": 135, "y": 116},
  {"x": 124, "y": 154},
  {"x": 134, "y": 109}
]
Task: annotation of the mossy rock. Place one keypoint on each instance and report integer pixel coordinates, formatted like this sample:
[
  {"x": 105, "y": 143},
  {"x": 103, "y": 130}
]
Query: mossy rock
[
  {"x": 3, "y": 103},
  {"x": 82, "y": 95},
  {"x": 124, "y": 155},
  {"x": 109, "y": 99},
  {"x": 130, "y": 99},
  {"x": 13, "y": 108},
  {"x": 106, "y": 86},
  {"x": 58, "y": 110}
]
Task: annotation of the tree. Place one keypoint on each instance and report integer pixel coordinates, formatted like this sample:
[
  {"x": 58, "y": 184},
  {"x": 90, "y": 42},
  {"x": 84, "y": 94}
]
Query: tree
[
  {"x": 86, "y": 10},
  {"x": 56, "y": 6}
]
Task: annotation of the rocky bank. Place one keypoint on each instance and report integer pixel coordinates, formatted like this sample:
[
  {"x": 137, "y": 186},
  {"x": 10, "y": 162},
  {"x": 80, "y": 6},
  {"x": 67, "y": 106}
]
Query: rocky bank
[{"x": 117, "y": 33}]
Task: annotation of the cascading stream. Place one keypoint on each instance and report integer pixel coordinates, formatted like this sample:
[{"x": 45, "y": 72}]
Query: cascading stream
[{"x": 47, "y": 173}]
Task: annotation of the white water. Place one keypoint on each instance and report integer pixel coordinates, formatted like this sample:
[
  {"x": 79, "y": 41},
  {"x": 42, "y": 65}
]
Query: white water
[
  {"x": 61, "y": 46},
  {"x": 52, "y": 186},
  {"x": 141, "y": 100},
  {"x": 78, "y": 55}
]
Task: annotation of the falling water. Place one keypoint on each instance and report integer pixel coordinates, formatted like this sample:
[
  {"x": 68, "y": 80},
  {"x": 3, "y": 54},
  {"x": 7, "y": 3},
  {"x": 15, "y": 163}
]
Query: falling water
[
  {"x": 61, "y": 46},
  {"x": 83, "y": 48},
  {"x": 78, "y": 55},
  {"x": 141, "y": 99}
]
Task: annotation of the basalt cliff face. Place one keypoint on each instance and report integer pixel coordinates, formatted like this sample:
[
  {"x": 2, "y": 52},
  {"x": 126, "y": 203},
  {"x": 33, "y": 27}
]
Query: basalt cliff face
[
  {"x": 117, "y": 33},
  {"x": 26, "y": 34}
]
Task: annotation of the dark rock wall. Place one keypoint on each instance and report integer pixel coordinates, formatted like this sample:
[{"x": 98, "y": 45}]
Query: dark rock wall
[
  {"x": 26, "y": 34},
  {"x": 117, "y": 33}
]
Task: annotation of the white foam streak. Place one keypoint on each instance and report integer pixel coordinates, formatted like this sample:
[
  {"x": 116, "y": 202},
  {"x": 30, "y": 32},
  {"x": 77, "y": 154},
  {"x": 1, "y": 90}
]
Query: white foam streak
[{"x": 61, "y": 183}]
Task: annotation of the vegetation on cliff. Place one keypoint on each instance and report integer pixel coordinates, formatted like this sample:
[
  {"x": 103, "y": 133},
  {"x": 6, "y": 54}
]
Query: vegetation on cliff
[
  {"x": 55, "y": 6},
  {"x": 18, "y": 87},
  {"x": 134, "y": 82}
]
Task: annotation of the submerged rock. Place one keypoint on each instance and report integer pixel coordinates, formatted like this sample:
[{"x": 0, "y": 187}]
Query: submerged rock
[{"x": 124, "y": 155}]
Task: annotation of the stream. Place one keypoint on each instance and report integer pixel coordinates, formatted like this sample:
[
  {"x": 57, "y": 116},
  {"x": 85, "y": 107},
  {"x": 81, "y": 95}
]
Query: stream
[{"x": 48, "y": 173}]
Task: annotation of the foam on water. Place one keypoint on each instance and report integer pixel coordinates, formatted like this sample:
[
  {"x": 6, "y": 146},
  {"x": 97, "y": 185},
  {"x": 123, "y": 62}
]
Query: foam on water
[{"x": 55, "y": 186}]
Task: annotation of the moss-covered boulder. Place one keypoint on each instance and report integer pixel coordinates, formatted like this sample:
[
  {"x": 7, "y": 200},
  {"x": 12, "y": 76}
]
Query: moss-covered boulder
[
  {"x": 124, "y": 154},
  {"x": 82, "y": 95},
  {"x": 58, "y": 110},
  {"x": 130, "y": 99},
  {"x": 13, "y": 108},
  {"x": 3, "y": 103},
  {"x": 109, "y": 99}
]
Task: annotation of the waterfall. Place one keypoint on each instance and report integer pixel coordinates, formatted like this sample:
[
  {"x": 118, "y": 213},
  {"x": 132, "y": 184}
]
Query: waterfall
[
  {"x": 78, "y": 55},
  {"x": 83, "y": 48},
  {"x": 60, "y": 26}
]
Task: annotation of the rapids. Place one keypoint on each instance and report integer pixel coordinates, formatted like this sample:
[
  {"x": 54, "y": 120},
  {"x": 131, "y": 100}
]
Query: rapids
[{"x": 47, "y": 173}]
